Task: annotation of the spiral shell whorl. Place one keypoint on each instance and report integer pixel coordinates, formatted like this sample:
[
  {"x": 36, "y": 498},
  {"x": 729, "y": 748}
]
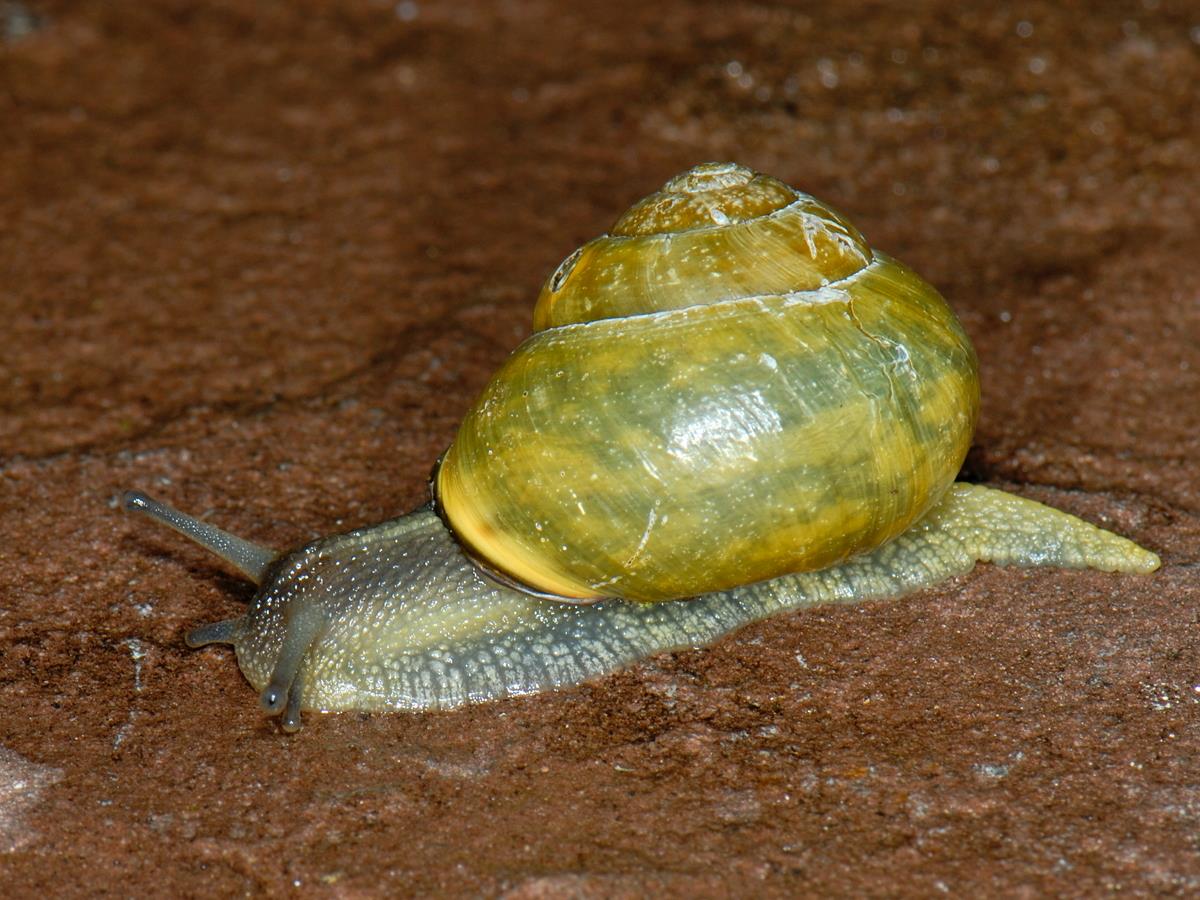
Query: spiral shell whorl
[
  {"x": 719, "y": 229},
  {"x": 711, "y": 194}
]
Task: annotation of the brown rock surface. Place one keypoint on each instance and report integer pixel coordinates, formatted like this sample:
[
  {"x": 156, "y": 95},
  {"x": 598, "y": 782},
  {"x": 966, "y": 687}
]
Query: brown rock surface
[{"x": 258, "y": 258}]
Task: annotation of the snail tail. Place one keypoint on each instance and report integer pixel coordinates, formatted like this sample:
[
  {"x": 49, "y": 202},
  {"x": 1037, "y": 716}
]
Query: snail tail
[{"x": 993, "y": 526}]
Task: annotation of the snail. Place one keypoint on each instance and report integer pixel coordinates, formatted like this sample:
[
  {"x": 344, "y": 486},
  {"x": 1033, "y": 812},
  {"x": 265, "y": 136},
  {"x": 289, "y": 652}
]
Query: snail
[{"x": 731, "y": 405}]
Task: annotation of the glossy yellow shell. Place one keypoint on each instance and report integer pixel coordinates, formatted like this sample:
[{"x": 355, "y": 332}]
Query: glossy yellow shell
[{"x": 730, "y": 386}]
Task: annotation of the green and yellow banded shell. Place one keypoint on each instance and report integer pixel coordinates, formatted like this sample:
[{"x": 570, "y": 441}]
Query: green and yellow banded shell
[{"x": 728, "y": 387}]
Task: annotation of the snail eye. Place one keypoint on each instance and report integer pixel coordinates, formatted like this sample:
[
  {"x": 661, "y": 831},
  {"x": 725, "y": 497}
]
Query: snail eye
[{"x": 564, "y": 270}]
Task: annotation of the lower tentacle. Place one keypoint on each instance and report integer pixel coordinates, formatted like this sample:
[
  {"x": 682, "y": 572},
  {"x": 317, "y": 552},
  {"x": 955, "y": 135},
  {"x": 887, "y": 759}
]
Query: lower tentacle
[
  {"x": 304, "y": 621},
  {"x": 290, "y": 721},
  {"x": 223, "y": 632}
]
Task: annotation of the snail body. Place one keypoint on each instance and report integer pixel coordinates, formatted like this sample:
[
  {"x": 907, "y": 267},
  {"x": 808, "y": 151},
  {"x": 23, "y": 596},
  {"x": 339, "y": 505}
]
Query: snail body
[{"x": 732, "y": 406}]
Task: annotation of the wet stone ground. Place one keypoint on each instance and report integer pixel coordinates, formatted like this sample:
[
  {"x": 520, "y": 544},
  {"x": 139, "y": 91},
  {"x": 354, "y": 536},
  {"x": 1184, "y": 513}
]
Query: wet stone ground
[{"x": 259, "y": 259}]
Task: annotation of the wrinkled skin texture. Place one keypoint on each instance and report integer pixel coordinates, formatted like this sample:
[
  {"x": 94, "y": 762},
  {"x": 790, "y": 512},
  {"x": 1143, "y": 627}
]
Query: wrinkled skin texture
[{"x": 396, "y": 617}]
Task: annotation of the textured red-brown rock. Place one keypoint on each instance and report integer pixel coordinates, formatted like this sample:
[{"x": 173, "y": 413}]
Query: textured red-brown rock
[{"x": 259, "y": 258}]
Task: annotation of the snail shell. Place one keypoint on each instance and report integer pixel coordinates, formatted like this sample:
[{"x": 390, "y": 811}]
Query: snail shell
[
  {"x": 732, "y": 406},
  {"x": 728, "y": 387}
]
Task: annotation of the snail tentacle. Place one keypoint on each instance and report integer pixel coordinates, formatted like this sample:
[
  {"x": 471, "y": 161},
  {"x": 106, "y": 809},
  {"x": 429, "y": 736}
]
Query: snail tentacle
[
  {"x": 303, "y": 622},
  {"x": 251, "y": 559},
  {"x": 224, "y": 632}
]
